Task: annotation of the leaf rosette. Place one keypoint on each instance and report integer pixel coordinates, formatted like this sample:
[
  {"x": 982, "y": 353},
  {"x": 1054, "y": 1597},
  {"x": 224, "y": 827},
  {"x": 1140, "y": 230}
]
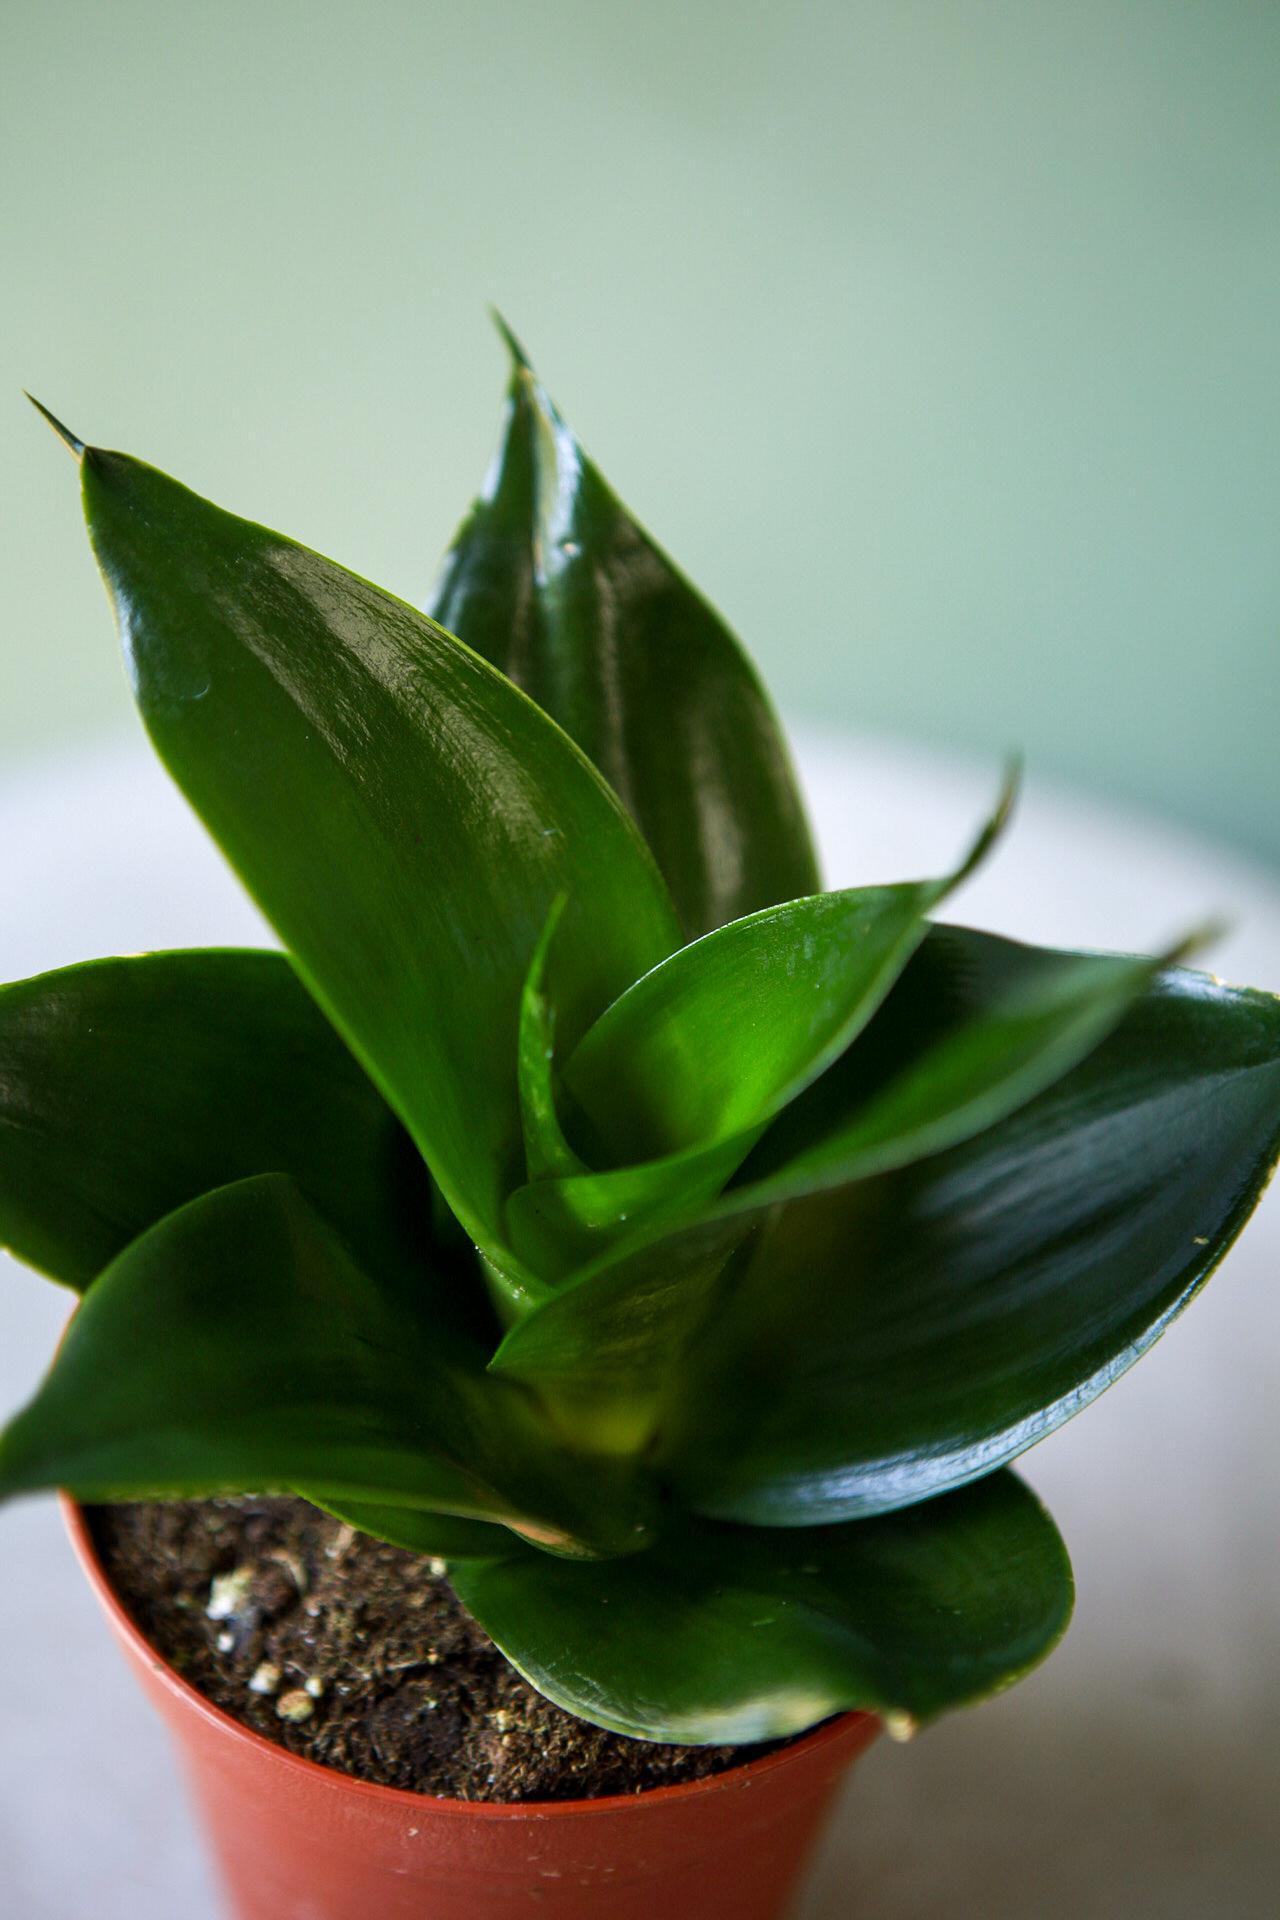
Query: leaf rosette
[{"x": 583, "y": 1194}]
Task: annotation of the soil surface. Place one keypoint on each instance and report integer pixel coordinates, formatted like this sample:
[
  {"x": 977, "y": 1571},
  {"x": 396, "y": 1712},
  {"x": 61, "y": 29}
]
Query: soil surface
[{"x": 356, "y": 1654}]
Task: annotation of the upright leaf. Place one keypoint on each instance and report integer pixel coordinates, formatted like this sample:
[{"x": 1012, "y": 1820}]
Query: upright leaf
[
  {"x": 487, "y": 590},
  {"x": 403, "y": 814},
  {"x": 547, "y": 1152},
  {"x": 555, "y": 583},
  {"x": 720, "y": 1036},
  {"x": 742, "y": 1633},
  {"x": 129, "y": 1086},
  {"x": 675, "y": 1082},
  {"x": 608, "y": 1348}
]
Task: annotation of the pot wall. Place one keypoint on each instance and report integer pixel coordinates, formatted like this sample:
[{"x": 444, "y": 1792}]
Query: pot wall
[{"x": 297, "y": 1841}]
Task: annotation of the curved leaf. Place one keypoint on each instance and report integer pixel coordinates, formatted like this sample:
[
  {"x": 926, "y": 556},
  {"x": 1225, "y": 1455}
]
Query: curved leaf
[
  {"x": 974, "y": 1028},
  {"x": 487, "y": 589},
  {"x": 547, "y": 1152},
  {"x": 442, "y": 1536},
  {"x": 608, "y": 1348},
  {"x": 129, "y": 1086},
  {"x": 553, "y": 581},
  {"x": 236, "y": 1346},
  {"x": 570, "y": 1224},
  {"x": 723, "y": 1033},
  {"x": 400, "y": 811},
  {"x": 682, "y": 1073},
  {"x": 962, "y": 1043},
  {"x": 902, "y": 1334},
  {"x": 728, "y": 1634}
]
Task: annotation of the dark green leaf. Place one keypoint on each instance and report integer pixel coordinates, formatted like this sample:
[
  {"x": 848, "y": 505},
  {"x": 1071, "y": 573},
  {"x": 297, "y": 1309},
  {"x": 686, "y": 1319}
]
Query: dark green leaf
[
  {"x": 129, "y": 1086},
  {"x": 441, "y": 1535},
  {"x": 403, "y": 815},
  {"x": 901, "y": 1334},
  {"x": 547, "y": 1152},
  {"x": 553, "y": 581},
  {"x": 957, "y": 1047},
  {"x": 680, "y": 1075},
  {"x": 608, "y": 1346},
  {"x": 721, "y": 1035},
  {"x": 728, "y": 1634},
  {"x": 487, "y": 591},
  {"x": 573, "y": 1223},
  {"x": 974, "y": 1029},
  {"x": 237, "y": 1346}
]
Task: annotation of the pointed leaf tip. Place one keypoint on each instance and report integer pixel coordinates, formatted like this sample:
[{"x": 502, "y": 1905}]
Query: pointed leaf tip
[
  {"x": 519, "y": 357},
  {"x": 1010, "y": 793},
  {"x": 64, "y": 434},
  {"x": 1209, "y": 933}
]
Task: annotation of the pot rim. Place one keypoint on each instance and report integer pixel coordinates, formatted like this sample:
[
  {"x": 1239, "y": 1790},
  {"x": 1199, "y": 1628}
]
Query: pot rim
[{"x": 828, "y": 1733}]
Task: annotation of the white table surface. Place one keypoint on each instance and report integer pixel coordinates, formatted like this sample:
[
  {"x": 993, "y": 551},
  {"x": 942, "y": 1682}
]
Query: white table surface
[{"x": 1137, "y": 1774}]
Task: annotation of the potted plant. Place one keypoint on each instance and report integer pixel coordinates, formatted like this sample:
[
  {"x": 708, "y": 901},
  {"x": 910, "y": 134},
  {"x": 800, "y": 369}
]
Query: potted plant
[{"x": 583, "y": 1199}]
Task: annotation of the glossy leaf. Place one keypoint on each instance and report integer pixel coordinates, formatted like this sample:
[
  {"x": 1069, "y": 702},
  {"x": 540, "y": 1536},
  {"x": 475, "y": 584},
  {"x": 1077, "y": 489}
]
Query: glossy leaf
[
  {"x": 738, "y": 1634},
  {"x": 678, "y": 1078},
  {"x": 721, "y": 1035},
  {"x": 238, "y": 1346},
  {"x": 958, "y": 1046},
  {"x": 608, "y": 1347},
  {"x": 973, "y": 1029},
  {"x": 799, "y": 1232},
  {"x": 402, "y": 814},
  {"x": 902, "y": 1334},
  {"x": 555, "y": 583},
  {"x": 441, "y": 1535},
  {"x": 565, "y": 1226},
  {"x": 487, "y": 589},
  {"x": 129, "y": 1086},
  {"x": 547, "y": 1152}
]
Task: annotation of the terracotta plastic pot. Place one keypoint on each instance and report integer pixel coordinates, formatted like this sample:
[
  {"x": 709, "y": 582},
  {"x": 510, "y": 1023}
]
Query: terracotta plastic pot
[{"x": 297, "y": 1841}]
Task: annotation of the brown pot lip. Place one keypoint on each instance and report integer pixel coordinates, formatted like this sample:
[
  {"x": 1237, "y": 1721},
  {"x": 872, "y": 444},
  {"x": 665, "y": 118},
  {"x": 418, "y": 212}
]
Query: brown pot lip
[{"x": 829, "y": 1733}]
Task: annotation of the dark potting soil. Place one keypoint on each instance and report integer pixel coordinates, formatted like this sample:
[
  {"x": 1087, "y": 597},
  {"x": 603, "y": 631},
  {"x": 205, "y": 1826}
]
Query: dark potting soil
[{"x": 356, "y": 1654}]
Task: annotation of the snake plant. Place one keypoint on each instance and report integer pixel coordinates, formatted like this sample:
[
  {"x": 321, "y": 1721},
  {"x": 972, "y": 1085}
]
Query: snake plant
[{"x": 581, "y": 1194}]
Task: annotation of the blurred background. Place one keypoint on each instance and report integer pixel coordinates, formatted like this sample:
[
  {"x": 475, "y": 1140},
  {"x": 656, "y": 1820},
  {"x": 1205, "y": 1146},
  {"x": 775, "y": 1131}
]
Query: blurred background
[{"x": 937, "y": 341}]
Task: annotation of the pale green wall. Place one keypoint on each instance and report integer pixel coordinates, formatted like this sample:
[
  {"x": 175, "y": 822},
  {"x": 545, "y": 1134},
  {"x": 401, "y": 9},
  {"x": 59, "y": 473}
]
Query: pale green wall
[{"x": 940, "y": 342}]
